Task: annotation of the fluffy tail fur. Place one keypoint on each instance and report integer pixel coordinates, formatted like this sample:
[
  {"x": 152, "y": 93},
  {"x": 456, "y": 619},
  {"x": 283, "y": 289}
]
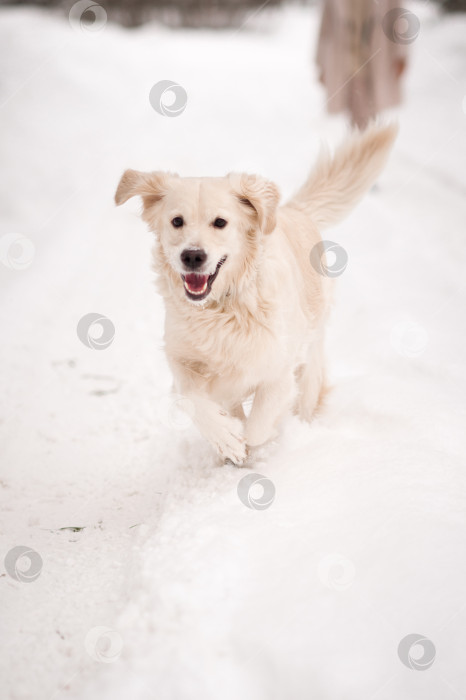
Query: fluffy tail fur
[{"x": 336, "y": 184}]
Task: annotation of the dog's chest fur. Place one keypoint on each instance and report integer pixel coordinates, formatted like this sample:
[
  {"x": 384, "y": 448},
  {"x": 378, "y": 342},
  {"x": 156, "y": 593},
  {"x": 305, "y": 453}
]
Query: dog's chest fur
[{"x": 232, "y": 349}]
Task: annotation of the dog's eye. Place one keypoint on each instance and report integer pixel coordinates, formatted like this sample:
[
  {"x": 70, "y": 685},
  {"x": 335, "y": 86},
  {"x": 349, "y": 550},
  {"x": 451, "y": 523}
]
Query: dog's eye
[
  {"x": 220, "y": 223},
  {"x": 177, "y": 222}
]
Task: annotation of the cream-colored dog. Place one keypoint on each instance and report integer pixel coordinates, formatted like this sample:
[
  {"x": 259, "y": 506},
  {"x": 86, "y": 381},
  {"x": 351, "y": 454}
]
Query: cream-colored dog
[{"x": 245, "y": 309}]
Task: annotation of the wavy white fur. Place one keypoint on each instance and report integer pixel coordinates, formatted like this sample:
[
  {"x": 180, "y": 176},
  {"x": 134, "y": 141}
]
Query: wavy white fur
[{"x": 260, "y": 330}]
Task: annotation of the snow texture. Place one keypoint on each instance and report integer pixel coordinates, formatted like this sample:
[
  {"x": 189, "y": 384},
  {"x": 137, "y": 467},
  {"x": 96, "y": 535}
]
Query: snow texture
[{"x": 174, "y": 589}]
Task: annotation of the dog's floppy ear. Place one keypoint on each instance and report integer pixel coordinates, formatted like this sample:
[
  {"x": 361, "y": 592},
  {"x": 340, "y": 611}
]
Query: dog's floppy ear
[
  {"x": 260, "y": 195},
  {"x": 150, "y": 186}
]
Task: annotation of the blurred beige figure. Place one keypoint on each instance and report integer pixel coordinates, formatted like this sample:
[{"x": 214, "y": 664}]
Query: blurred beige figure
[{"x": 360, "y": 67}]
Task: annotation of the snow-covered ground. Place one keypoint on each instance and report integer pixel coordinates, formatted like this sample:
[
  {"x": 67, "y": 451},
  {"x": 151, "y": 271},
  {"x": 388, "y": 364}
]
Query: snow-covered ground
[{"x": 173, "y": 588}]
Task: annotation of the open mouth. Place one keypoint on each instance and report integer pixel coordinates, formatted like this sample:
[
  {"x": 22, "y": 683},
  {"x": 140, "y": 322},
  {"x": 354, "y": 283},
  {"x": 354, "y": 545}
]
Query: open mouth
[{"x": 196, "y": 286}]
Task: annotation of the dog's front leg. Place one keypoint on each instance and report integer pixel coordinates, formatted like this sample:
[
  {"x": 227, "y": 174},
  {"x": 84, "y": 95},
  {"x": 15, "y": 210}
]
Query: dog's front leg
[
  {"x": 271, "y": 402},
  {"x": 224, "y": 432}
]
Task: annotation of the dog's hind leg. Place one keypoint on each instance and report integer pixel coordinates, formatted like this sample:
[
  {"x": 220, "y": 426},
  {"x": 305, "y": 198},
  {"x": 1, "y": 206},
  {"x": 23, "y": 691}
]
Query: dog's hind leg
[{"x": 310, "y": 379}]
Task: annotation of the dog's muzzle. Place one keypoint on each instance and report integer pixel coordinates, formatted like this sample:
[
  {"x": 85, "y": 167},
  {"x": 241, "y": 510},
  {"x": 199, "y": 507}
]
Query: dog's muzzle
[{"x": 197, "y": 286}]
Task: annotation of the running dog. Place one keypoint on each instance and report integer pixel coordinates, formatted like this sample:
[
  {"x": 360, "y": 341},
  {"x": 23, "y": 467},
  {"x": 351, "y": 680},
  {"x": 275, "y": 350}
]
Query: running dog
[{"x": 245, "y": 308}]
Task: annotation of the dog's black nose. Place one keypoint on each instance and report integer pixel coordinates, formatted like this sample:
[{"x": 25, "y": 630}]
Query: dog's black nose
[{"x": 193, "y": 258}]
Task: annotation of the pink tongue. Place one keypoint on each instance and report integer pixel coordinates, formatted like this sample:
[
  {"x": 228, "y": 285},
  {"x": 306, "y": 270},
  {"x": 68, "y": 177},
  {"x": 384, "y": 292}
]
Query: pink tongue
[{"x": 196, "y": 282}]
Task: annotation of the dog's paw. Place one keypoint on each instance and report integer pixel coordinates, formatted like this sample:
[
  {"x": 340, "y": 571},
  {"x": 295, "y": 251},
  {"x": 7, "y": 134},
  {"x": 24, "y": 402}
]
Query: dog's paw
[{"x": 225, "y": 434}]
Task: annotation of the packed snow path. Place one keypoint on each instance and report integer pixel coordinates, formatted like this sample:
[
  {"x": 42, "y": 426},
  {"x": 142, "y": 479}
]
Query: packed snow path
[{"x": 167, "y": 586}]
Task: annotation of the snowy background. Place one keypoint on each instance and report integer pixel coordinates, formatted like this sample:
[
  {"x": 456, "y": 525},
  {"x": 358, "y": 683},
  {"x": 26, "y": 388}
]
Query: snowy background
[{"x": 155, "y": 580}]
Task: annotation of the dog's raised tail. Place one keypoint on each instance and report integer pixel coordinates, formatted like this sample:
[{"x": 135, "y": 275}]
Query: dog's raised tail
[{"x": 337, "y": 183}]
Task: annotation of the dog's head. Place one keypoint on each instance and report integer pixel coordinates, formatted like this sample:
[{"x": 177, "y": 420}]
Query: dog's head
[{"x": 209, "y": 229}]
